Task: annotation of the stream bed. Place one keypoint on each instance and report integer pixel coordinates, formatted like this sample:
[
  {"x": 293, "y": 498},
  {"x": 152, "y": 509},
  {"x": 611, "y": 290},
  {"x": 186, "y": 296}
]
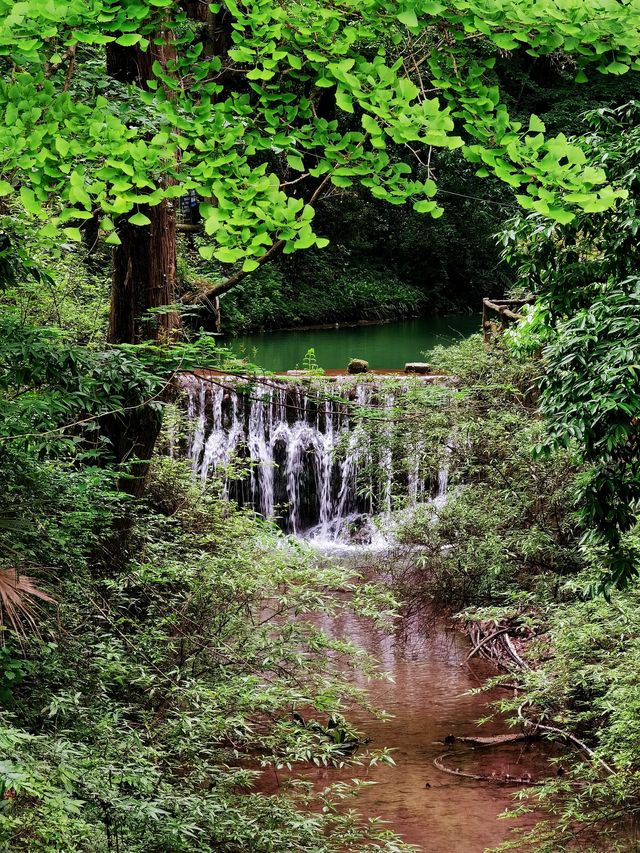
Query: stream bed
[
  {"x": 429, "y": 700},
  {"x": 288, "y": 435}
]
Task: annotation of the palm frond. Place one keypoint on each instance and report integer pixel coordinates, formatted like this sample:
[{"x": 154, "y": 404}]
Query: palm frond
[{"x": 19, "y": 596}]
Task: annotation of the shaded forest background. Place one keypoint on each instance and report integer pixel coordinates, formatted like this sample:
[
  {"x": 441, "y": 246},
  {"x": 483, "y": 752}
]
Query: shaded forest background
[{"x": 389, "y": 262}]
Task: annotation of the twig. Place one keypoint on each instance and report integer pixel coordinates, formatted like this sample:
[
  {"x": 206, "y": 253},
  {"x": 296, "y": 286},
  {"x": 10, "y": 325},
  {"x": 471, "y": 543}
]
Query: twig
[
  {"x": 514, "y": 653},
  {"x": 570, "y": 737}
]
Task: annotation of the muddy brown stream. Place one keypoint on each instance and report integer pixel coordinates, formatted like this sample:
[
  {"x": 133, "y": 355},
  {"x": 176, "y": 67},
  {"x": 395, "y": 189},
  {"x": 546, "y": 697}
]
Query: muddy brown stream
[{"x": 429, "y": 700}]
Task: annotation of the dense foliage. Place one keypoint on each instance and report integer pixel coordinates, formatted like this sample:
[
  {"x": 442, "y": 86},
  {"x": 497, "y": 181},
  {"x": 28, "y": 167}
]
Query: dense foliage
[
  {"x": 155, "y": 696},
  {"x": 263, "y": 90},
  {"x": 155, "y": 653},
  {"x": 510, "y": 548},
  {"x": 159, "y": 644},
  {"x": 588, "y": 321},
  {"x": 508, "y": 526}
]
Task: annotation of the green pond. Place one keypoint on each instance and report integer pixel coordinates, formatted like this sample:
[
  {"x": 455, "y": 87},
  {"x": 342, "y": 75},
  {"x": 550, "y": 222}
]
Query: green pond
[{"x": 384, "y": 346}]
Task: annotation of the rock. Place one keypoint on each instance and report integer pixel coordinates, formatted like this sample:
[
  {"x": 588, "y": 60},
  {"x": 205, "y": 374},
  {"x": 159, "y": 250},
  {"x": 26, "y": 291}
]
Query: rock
[
  {"x": 296, "y": 372},
  {"x": 417, "y": 367},
  {"x": 358, "y": 365}
]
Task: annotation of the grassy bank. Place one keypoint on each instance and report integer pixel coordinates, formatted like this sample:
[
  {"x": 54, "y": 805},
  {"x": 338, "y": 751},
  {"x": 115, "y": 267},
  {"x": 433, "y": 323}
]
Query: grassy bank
[{"x": 325, "y": 288}]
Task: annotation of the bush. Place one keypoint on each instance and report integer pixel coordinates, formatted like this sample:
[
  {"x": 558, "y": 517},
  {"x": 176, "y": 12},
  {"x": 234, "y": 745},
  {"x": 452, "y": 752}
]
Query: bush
[{"x": 147, "y": 704}]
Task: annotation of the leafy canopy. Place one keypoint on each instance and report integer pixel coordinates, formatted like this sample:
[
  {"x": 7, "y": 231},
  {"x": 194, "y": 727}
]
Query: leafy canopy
[{"x": 400, "y": 76}]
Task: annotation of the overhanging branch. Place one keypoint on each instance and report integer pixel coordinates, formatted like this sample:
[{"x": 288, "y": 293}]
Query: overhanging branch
[{"x": 221, "y": 287}]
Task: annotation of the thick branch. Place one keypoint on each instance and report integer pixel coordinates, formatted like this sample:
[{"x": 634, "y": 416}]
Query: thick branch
[
  {"x": 484, "y": 641},
  {"x": 501, "y": 309},
  {"x": 223, "y": 286}
]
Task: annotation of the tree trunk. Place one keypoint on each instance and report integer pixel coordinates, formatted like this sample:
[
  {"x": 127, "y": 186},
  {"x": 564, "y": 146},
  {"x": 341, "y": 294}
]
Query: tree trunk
[
  {"x": 216, "y": 35},
  {"x": 144, "y": 279}
]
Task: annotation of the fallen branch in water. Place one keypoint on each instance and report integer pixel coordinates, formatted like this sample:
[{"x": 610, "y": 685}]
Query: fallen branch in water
[
  {"x": 484, "y": 641},
  {"x": 568, "y": 736},
  {"x": 531, "y": 726},
  {"x": 497, "y": 780},
  {"x": 492, "y": 740},
  {"x": 512, "y": 651}
]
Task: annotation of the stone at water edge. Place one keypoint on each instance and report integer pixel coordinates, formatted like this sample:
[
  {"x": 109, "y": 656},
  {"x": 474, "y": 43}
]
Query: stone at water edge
[
  {"x": 358, "y": 365},
  {"x": 417, "y": 367}
]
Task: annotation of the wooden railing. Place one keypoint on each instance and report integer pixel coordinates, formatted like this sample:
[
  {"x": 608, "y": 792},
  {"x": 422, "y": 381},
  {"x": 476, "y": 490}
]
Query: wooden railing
[{"x": 507, "y": 310}]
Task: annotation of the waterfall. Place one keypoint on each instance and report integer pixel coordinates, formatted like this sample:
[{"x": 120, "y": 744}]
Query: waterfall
[
  {"x": 440, "y": 498},
  {"x": 300, "y": 453}
]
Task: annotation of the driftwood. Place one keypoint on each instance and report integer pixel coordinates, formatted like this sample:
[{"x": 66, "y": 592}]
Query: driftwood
[
  {"x": 532, "y": 725},
  {"x": 507, "y": 779},
  {"x": 509, "y": 644},
  {"x": 502, "y": 309},
  {"x": 495, "y": 740},
  {"x": 486, "y": 646},
  {"x": 483, "y": 642},
  {"x": 497, "y": 647}
]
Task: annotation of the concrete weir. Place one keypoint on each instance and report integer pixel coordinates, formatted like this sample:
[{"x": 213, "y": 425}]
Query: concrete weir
[{"x": 305, "y": 455}]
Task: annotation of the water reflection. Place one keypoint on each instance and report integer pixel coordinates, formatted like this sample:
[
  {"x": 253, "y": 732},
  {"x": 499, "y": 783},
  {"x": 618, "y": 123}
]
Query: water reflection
[
  {"x": 429, "y": 700},
  {"x": 390, "y": 345}
]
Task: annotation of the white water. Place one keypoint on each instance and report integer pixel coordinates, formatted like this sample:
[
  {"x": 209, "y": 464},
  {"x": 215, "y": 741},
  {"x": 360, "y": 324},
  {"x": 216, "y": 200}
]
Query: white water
[{"x": 304, "y": 455}]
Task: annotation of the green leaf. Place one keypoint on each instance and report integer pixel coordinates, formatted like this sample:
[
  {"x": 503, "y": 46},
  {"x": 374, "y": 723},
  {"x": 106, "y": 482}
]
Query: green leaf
[
  {"x": 206, "y": 252},
  {"x": 616, "y": 68},
  {"x": 30, "y": 202},
  {"x": 536, "y": 125},
  {"x": 371, "y": 125},
  {"x": 227, "y": 255},
  {"x": 295, "y": 162},
  {"x": 5, "y": 188},
  {"x": 505, "y": 41},
  {"x": 408, "y": 17},
  {"x": 430, "y": 188},
  {"x": 341, "y": 181},
  {"x": 250, "y": 265},
  {"x": 424, "y": 206},
  {"x": 344, "y": 101},
  {"x": 128, "y": 39},
  {"x": 561, "y": 215},
  {"x": 314, "y": 56},
  {"x": 62, "y": 146},
  {"x": 113, "y": 239},
  {"x": 73, "y": 234},
  {"x": 139, "y": 219}
]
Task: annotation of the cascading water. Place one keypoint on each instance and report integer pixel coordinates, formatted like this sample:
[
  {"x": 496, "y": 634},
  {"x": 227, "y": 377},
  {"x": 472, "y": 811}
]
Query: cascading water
[{"x": 299, "y": 452}]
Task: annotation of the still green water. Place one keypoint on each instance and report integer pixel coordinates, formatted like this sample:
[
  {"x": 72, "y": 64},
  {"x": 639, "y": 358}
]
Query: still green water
[{"x": 390, "y": 345}]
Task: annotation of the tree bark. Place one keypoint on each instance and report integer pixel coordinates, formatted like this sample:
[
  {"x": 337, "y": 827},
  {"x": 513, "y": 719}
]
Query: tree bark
[{"x": 143, "y": 279}]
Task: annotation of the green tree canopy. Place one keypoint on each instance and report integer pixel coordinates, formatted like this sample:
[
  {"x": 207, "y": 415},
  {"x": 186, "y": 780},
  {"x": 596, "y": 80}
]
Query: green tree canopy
[
  {"x": 588, "y": 319},
  {"x": 344, "y": 93}
]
